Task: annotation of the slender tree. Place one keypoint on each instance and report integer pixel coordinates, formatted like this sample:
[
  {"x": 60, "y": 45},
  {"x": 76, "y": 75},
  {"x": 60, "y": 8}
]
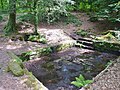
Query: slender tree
[
  {"x": 35, "y": 5},
  {"x": 10, "y": 28}
]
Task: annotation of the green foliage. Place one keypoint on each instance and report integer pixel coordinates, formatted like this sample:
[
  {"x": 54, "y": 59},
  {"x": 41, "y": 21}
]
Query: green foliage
[
  {"x": 109, "y": 63},
  {"x": 80, "y": 81},
  {"x": 26, "y": 17},
  {"x": 4, "y": 6},
  {"x": 26, "y": 55},
  {"x": 46, "y": 10},
  {"x": 10, "y": 28},
  {"x": 35, "y": 53},
  {"x": 108, "y": 10},
  {"x": 52, "y": 10},
  {"x": 72, "y": 19},
  {"x": 82, "y": 33},
  {"x": 85, "y": 5},
  {"x": 1, "y": 18},
  {"x": 38, "y": 38},
  {"x": 44, "y": 51},
  {"x": 15, "y": 65},
  {"x": 70, "y": 7}
]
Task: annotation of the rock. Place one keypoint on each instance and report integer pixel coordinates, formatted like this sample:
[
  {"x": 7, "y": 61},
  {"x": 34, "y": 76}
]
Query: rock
[
  {"x": 15, "y": 68},
  {"x": 32, "y": 82},
  {"x": 57, "y": 37},
  {"x": 106, "y": 45},
  {"x": 15, "y": 58},
  {"x": 108, "y": 42}
]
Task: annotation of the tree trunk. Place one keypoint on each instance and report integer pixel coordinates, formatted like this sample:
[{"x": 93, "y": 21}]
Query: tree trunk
[
  {"x": 35, "y": 17},
  {"x": 10, "y": 28}
]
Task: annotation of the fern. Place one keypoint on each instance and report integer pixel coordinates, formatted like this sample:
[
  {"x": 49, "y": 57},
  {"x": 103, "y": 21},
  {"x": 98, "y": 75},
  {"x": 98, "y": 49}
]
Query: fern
[{"x": 80, "y": 81}]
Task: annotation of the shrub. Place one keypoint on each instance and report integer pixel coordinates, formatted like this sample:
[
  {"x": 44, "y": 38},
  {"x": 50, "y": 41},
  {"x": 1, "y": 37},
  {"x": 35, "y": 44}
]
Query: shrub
[
  {"x": 52, "y": 10},
  {"x": 109, "y": 10}
]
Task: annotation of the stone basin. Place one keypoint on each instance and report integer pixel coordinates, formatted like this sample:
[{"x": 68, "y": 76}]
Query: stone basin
[{"x": 58, "y": 70}]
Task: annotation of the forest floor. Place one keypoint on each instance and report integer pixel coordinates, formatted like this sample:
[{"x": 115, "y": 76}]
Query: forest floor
[{"x": 107, "y": 81}]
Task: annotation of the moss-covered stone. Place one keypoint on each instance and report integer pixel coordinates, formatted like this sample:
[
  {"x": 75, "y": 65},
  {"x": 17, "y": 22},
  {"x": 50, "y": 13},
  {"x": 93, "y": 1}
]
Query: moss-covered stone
[
  {"x": 15, "y": 68},
  {"x": 81, "y": 33},
  {"x": 106, "y": 45},
  {"x": 107, "y": 37},
  {"x": 32, "y": 82},
  {"x": 61, "y": 47},
  {"x": 108, "y": 42},
  {"x": 18, "y": 69},
  {"x": 112, "y": 34},
  {"x": 43, "y": 51},
  {"x": 15, "y": 58}
]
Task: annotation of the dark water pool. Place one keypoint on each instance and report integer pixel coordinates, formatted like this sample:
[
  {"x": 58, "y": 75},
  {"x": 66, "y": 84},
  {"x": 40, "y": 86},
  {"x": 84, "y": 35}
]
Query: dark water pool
[{"x": 58, "y": 70}]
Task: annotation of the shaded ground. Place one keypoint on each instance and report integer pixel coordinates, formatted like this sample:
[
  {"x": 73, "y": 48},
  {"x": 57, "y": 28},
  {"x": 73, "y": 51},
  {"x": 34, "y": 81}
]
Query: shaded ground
[{"x": 108, "y": 81}]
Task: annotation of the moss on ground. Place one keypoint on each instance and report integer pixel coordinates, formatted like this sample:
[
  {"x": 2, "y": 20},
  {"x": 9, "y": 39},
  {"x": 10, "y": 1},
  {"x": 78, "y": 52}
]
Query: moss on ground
[{"x": 15, "y": 68}]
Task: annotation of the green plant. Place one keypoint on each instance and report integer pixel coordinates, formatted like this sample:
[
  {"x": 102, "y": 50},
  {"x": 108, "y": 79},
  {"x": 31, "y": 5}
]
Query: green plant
[
  {"x": 82, "y": 33},
  {"x": 44, "y": 51},
  {"x": 85, "y": 5},
  {"x": 108, "y": 10},
  {"x": 80, "y": 81},
  {"x": 72, "y": 19},
  {"x": 38, "y": 38},
  {"x": 35, "y": 53},
  {"x": 109, "y": 63},
  {"x": 26, "y": 55},
  {"x": 26, "y": 17},
  {"x": 52, "y": 10}
]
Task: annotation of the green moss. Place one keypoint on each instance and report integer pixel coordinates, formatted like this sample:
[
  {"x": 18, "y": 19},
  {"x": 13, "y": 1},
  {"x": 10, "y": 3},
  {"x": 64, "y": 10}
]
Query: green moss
[
  {"x": 35, "y": 53},
  {"x": 37, "y": 38},
  {"x": 15, "y": 68},
  {"x": 82, "y": 33},
  {"x": 107, "y": 42},
  {"x": 48, "y": 65},
  {"x": 107, "y": 37},
  {"x": 106, "y": 45},
  {"x": 61, "y": 47},
  {"x": 15, "y": 58},
  {"x": 32, "y": 82},
  {"x": 113, "y": 34},
  {"x": 43, "y": 51}
]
